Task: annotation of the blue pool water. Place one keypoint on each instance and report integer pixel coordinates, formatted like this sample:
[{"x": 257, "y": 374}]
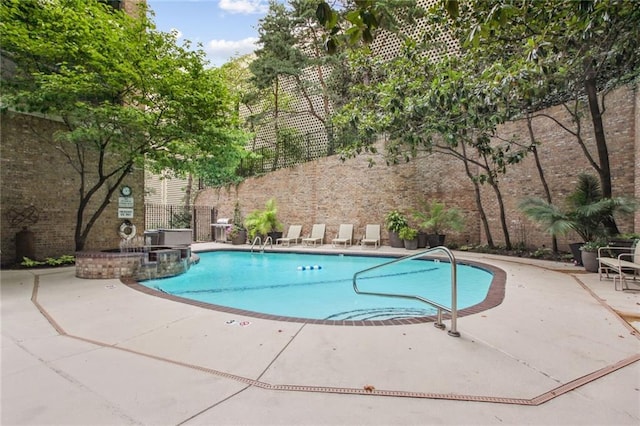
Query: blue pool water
[{"x": 282, "y": 284}]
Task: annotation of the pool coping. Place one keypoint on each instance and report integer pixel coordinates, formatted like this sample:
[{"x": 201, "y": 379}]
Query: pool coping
[{"x": 495, "y": 295}]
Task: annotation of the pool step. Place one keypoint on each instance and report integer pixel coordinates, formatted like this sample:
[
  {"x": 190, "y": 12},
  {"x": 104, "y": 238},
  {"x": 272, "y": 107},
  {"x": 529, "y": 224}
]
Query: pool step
[{"x": 378, "y": 314}]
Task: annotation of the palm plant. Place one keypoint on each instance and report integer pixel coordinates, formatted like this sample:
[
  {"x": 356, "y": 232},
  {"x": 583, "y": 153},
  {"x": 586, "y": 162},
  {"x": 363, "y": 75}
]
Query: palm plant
[
  {"x": 263, "y": 222},
  {"x": 586, "y": 212},
  {"x": 438, "y": 218}
]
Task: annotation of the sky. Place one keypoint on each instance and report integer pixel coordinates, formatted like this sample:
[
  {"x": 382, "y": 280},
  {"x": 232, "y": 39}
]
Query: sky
[{"x": 225, "y": 28}]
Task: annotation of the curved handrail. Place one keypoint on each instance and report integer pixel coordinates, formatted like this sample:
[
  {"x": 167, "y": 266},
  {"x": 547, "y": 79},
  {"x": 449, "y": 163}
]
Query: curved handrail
[
  {"x": 454, "y": 288},
  {"x": 258, "y": 240},
  {"x": 267, "y": 240}
]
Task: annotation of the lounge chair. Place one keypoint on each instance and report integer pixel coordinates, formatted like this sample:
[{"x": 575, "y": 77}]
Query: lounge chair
[
  {"x": 371, "y": 236},
  {"x": 624, "y": 269},
  {"x": 317, "y": 235},
  {"x": 345, "y": 235},
  {"x": 293, "y": 236}
]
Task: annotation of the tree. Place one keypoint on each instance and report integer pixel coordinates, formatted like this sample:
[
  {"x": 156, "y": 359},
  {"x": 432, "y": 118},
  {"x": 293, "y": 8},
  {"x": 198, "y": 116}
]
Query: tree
[
  {"x": 294, "y": 66},
  {"x": 582, "y": 49},
  {"x": 128, "y": 96},
  {"x": 352, "y": 23},
  {"x": 447, "y": 106},
  {"x": 279, "y": 57},
  {"x": 532, "y": 55},
  {"x": 586, "y": 212}
]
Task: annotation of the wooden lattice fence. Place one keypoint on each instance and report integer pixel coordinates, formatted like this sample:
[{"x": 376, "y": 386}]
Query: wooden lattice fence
[{"x": 173, "y": 216}]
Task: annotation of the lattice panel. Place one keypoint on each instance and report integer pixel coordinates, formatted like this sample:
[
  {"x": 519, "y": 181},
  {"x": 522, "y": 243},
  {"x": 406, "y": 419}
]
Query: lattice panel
[{"x": 316, "y": 142}]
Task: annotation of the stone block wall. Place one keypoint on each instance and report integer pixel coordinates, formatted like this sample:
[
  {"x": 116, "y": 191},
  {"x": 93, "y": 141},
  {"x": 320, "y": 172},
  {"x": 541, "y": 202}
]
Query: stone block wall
[{"x": 331, "y": 191}]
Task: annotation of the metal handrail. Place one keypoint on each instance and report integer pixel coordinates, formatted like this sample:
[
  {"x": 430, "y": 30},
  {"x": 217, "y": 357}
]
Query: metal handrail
[
  {"x": 256, "y": 240},
  {"x": 454, "y": 288},
  {"x": 267, "y": 240}
]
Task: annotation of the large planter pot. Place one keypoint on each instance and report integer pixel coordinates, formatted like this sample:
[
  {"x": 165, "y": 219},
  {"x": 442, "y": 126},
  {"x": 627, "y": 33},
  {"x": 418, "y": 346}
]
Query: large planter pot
[
  {"x": 435, "y": 240},
  {"x": 576, "y": 252},
  {"x": 274, "y": 236},
  {"x": 411, "y": 244},
  {"x": 239, "y": 239},
  {"x": 395, "y": 240},
  {"x": 590, "y": 261},
  {"x": 422, "y": 240}
]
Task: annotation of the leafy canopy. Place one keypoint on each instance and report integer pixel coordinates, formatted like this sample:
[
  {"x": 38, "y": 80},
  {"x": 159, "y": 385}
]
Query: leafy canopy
[
  {"x": 127, "y": 94},
  {"x": 118, "y": 84}
]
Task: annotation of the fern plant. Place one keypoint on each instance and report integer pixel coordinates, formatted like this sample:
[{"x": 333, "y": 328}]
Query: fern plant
[{"x": 585, "y": 213}]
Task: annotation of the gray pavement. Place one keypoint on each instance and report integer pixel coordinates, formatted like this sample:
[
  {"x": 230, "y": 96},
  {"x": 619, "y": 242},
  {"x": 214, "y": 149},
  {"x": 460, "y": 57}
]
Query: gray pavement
[{"x": 560, "y": 349}]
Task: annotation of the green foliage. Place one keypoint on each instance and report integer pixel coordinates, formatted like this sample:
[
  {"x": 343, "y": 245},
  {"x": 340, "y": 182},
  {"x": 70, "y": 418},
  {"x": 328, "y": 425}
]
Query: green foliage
[
  {"x": 395, "y": 221},
  {"x": 181, "y": 220},
  {"x": 438, "y": 219},
  {"x": 237, "y": 216},
  {"x": 541, "y": 253},
  {"x": 593, "y": 245},
  {"x": 586, "y": 211},
  {"x": 49, "y": 261},
  {"x": 62, "y": 260},
  {"x": 408, "y": 233},
  {"x": 29, "y": 263},
  {"x": 128, "y": 96},
  {"x": 291, "y": 145},
  {"x": 359, "y": 23},
  {"x": 262, "y": 222}
]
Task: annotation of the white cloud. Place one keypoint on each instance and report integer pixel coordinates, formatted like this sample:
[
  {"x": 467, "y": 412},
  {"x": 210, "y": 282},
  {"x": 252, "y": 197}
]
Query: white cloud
[
  {"x": 220, "y": 51},
  {"x": 244, "y": 6}
]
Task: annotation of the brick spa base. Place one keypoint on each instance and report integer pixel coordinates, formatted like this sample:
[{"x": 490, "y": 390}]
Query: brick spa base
[{"x": 159, "y": 262}]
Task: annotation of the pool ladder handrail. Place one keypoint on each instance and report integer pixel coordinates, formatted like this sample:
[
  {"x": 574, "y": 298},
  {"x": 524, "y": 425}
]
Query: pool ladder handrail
[
  {"x": 258, "y": 240},
  {"x": 454, "y": 288}
]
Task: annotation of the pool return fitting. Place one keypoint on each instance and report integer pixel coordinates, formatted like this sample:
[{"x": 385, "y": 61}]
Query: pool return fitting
[{"x": 454, "y": 288}]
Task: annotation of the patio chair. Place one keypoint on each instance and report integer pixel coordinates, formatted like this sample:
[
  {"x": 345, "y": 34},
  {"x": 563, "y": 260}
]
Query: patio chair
[
  {"x": 317, "y": 235},
  {"x": 371, "y": 236},
  {"x": 624, "y": 269},
  {"x": 293, "y": 236},
  {"x": 345, "y": 235}
]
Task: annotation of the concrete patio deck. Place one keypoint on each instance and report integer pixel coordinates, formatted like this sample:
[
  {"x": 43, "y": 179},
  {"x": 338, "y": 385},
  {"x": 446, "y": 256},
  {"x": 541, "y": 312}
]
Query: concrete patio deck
[{"x": 560, "y": 349}]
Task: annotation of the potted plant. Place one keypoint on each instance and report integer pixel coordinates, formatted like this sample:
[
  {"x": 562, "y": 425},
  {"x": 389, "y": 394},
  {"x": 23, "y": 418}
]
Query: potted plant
[
  {"x": 589, "y": 254},
  {"x": 264, "y": 222},
  {"x": 410, "y": 237},
  {"x": 437, "y": 219},
  {"x": 237, "y": 233},
  {"x": 394, "y": 221},
  {"x": 585, "y": 213}
]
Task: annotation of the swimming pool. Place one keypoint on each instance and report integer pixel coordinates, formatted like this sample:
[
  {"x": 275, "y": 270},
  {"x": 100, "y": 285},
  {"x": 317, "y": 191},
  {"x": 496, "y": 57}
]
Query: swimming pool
[{"x": 318, "y": 287}]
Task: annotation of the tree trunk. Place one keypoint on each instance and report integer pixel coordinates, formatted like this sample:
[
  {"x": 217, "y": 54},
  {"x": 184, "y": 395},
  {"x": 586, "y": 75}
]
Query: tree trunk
[
  {"x": 543, "y": 179},
  {"x": 503, "y": 216},
  {"x": 601, "y": 142},
  {"x": 478, "y": 198}
]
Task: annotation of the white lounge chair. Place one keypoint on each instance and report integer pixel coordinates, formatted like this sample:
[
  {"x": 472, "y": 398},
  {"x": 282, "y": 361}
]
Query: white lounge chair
[
  {"x": 371, "y": 236},
  {"x": 345, "y": 235},
  {"x": 622, "y": 268},
  {"x": 317, "y": 235},
  {"x": 293, "y": 236}
]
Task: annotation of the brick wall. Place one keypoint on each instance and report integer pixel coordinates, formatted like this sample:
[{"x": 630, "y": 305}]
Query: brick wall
[
  {"x": 35, "y": 175},
  {"x": 333, "y": 192}
]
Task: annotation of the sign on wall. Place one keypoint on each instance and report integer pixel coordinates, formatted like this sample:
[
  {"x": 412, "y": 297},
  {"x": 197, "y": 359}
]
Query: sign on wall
[
  {"x": 125, "y": 213},
  {"x": 125, "y": 202}
]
